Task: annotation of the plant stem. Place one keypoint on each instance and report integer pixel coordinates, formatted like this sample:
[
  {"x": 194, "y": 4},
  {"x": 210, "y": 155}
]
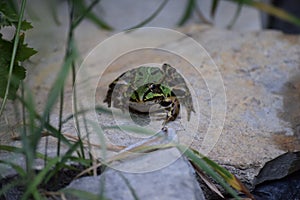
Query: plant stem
[
  {"x": 13, "y": 55},
  {"x": 61, "y": 108}
]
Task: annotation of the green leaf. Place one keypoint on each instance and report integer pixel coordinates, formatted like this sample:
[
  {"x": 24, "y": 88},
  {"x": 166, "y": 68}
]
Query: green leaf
[
  {"x": 5, "y": 51},
  {"x": 24, "y": 52},
  {"x": 19, "y": 73},
  {"x": 7, "y": 15},
  {"x": 26, "y": 25}
]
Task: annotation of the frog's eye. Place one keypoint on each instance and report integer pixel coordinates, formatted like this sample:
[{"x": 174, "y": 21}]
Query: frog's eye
[
  {"x": 155, "y": 88},
  {"x": 152, "y": 87}
]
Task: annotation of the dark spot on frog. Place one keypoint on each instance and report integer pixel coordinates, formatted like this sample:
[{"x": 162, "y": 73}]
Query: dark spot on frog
[
  {"x": 154, "y": 72},
  {"x": 140, "y": 74}
]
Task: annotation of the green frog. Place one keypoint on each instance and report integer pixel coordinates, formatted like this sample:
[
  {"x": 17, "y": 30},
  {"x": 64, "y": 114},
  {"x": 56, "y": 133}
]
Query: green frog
[{"x": 145, "y": 87}]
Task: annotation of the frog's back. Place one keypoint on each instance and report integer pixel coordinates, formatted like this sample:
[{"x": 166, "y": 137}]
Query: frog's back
[{"x": 144, "y": 75}]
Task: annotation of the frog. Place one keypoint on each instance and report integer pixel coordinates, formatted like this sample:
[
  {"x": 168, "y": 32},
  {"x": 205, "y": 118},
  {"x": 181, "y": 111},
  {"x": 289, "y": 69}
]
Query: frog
[{"x": 140, "y": 89}]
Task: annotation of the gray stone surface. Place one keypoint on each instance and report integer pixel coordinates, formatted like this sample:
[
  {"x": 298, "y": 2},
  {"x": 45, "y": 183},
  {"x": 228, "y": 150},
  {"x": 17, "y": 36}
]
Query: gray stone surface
[
  {"x": 176, "y": 181},
  {"x": 260, "y": 71}
]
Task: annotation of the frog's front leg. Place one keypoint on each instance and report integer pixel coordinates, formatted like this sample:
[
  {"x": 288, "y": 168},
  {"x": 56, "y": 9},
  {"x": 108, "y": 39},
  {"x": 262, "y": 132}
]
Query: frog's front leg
[{"x": 173, "y": 108}]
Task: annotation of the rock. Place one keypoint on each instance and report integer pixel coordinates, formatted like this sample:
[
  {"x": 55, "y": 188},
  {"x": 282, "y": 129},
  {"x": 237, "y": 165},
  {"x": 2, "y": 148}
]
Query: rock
[
  {"x": 259, "y": 71},
  {"x": 174, "y": 181}
]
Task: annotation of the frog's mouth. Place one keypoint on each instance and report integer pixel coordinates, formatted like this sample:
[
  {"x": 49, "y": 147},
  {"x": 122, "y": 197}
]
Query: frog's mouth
[{"x": 144, "y": 107}]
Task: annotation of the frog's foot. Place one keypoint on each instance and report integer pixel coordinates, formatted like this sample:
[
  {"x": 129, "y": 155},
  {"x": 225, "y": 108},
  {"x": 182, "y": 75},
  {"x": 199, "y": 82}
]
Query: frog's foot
[{"x": 173, "y": 109}]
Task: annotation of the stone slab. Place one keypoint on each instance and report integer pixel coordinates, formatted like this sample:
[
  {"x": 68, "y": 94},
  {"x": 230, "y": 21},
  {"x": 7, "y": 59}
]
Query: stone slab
[{"x": 174, "y": 181}]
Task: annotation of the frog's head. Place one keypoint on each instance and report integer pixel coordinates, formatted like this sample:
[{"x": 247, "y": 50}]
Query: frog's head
[
  {"x": 150, "y": 92},
  {"x": 156, "y": 91},
  {"x": 138, "y": 94}
]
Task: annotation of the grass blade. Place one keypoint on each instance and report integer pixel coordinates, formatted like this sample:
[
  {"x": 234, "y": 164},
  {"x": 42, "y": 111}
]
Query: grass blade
[
  {"x": 52, "y": 98},
  {"x": 86, "y": 12},
  {"x": 28, "y": 149},
  {"x": 151, "y": 17},
  {"x": 188, "y": 12},
  {"x": 33, "y": 184},
  {"x": 62, "y": 162},
  {"x": 16, "y": 167},
  {"x": 207, "y": 181},
  {"x": 236, "y": 15},
  {"x": 199, "y": 162},
  {"x": 214, "y": 7},
  {"x": 272, "y": 10},
  {"x": 98, "y": 130},
  {"x": 19, "y": 150},
  {"x": 131, "y": 189},
  {"x": 132, "y": 129},
  {"x": 225, "y": 174},
  {"x": 83, "y": 194}
]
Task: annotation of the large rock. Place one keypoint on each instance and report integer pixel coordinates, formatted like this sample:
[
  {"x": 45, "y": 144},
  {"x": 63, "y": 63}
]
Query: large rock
[
  {"x": 260, "y": 71},
  {"x": 174, "y": 181}
]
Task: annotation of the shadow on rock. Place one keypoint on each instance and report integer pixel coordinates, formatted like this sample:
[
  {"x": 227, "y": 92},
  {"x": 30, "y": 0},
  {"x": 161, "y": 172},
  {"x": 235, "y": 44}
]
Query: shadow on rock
[{"x": 290, "y": 114}]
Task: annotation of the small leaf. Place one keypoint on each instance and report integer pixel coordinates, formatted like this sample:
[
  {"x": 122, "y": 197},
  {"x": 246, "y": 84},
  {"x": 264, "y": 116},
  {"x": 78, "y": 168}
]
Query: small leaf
[
  {"x": 26, "y": 25},
  {"x": 19, "y": 72},
  {"x": 24, "y": 52},
  {"x": 5, "y": 49}
]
